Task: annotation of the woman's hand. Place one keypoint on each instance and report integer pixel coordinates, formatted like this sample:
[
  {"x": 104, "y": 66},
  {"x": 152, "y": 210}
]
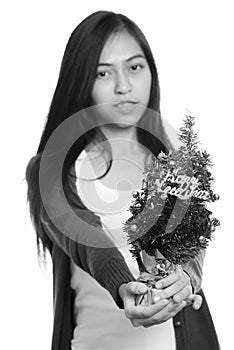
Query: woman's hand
[
  {"x": 195, "y": 300},
  {"x": 147, "y": 316},
  {"x": 175, "y": 294},
  {"x": 177, "y": 286}
]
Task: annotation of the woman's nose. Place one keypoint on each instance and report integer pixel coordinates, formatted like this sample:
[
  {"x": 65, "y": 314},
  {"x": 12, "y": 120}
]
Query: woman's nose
[{"x": 123, "y": 84}]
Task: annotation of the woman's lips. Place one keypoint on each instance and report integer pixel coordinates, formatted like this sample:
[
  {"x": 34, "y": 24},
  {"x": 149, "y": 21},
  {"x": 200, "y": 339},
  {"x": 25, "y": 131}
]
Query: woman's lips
[
  {"x": 124, "y": 102},
  {"x": 125, "y": 106}
]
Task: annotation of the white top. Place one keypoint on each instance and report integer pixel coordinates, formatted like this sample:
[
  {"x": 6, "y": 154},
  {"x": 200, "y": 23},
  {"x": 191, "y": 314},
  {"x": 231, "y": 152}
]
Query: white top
[{"x": 101, "y": 325}]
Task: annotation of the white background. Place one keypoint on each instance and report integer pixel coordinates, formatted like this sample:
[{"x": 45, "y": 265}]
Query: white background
[{"x": 192, "y": 42}]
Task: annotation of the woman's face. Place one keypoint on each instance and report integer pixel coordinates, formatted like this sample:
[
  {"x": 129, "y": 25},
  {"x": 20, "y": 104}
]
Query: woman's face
[{"x": 123, "y": 80}]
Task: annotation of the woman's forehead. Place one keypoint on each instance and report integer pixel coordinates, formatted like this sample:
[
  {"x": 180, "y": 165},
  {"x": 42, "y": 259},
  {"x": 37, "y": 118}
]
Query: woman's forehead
[{"x": 120, "y": 47}]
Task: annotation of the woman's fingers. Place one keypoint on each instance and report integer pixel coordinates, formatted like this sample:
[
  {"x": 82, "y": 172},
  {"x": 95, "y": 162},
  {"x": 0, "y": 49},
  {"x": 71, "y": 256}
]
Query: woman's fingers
[
  {"x": 196, "y": 301},
  {"x": 179, "y": 291},
  {"x": 132, "y": 289},
  {"x": 133, "y": 311},
  {"x": 136, "y": 288},
  {"x": 143, "y": 312},
  {"x": 183, "y": 294},
  {"x": 167, "y": 281},
  {"x": 169, "y": 311},
  {"x": 176, "y": 285}
]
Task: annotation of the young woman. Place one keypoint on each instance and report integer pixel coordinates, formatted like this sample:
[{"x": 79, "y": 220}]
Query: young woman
[{"x": 103, "y": 127}]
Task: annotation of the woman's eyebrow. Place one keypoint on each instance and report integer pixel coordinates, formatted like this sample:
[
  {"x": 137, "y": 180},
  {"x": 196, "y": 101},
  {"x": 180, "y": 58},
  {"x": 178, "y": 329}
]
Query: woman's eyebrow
[{"x": 129, "y": 59}]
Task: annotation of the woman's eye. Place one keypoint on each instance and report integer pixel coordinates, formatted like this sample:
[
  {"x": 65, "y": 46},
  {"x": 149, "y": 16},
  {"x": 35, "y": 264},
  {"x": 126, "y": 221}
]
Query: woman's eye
[
  {"x": 103, "y": 74},
  {"x": 136, "y": 67}
]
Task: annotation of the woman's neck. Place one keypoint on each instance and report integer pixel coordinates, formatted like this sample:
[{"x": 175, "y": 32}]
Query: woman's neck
[{"x": 123, "y": 141}]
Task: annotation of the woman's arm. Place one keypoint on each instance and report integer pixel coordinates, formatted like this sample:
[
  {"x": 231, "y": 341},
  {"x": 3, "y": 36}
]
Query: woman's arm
[{"x": 89, "y": 248}]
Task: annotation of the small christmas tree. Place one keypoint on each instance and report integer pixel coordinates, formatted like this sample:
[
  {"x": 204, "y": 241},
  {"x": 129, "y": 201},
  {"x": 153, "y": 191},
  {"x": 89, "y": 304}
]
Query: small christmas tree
[{"x": 170, "y": 223}]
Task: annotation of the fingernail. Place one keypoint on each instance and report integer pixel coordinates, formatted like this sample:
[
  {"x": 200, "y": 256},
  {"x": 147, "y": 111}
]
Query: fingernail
[
  {"x": 196, "y": 306},
  {"x": 177, "y": 298},
  {"x": 156, "y": 299},
  {"x": 158, "y": 285},
  {"x": 142, "y": 290}
]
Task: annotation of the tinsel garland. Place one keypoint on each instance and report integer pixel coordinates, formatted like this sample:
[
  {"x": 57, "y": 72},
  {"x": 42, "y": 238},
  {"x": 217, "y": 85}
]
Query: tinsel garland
[{"x": 169, "y": 213}]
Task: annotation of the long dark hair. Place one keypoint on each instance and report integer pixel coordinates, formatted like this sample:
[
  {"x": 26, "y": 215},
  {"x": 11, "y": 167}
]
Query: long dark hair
[{"x": 73, "y": 93}]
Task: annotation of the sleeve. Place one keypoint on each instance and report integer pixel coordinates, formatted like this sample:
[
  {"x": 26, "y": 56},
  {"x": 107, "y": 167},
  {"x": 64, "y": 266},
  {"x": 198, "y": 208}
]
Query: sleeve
[
  {"x": 194, "y": 269},
  {"x": 77, "y": 231},
  {"x": 80, "y": 236}
]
